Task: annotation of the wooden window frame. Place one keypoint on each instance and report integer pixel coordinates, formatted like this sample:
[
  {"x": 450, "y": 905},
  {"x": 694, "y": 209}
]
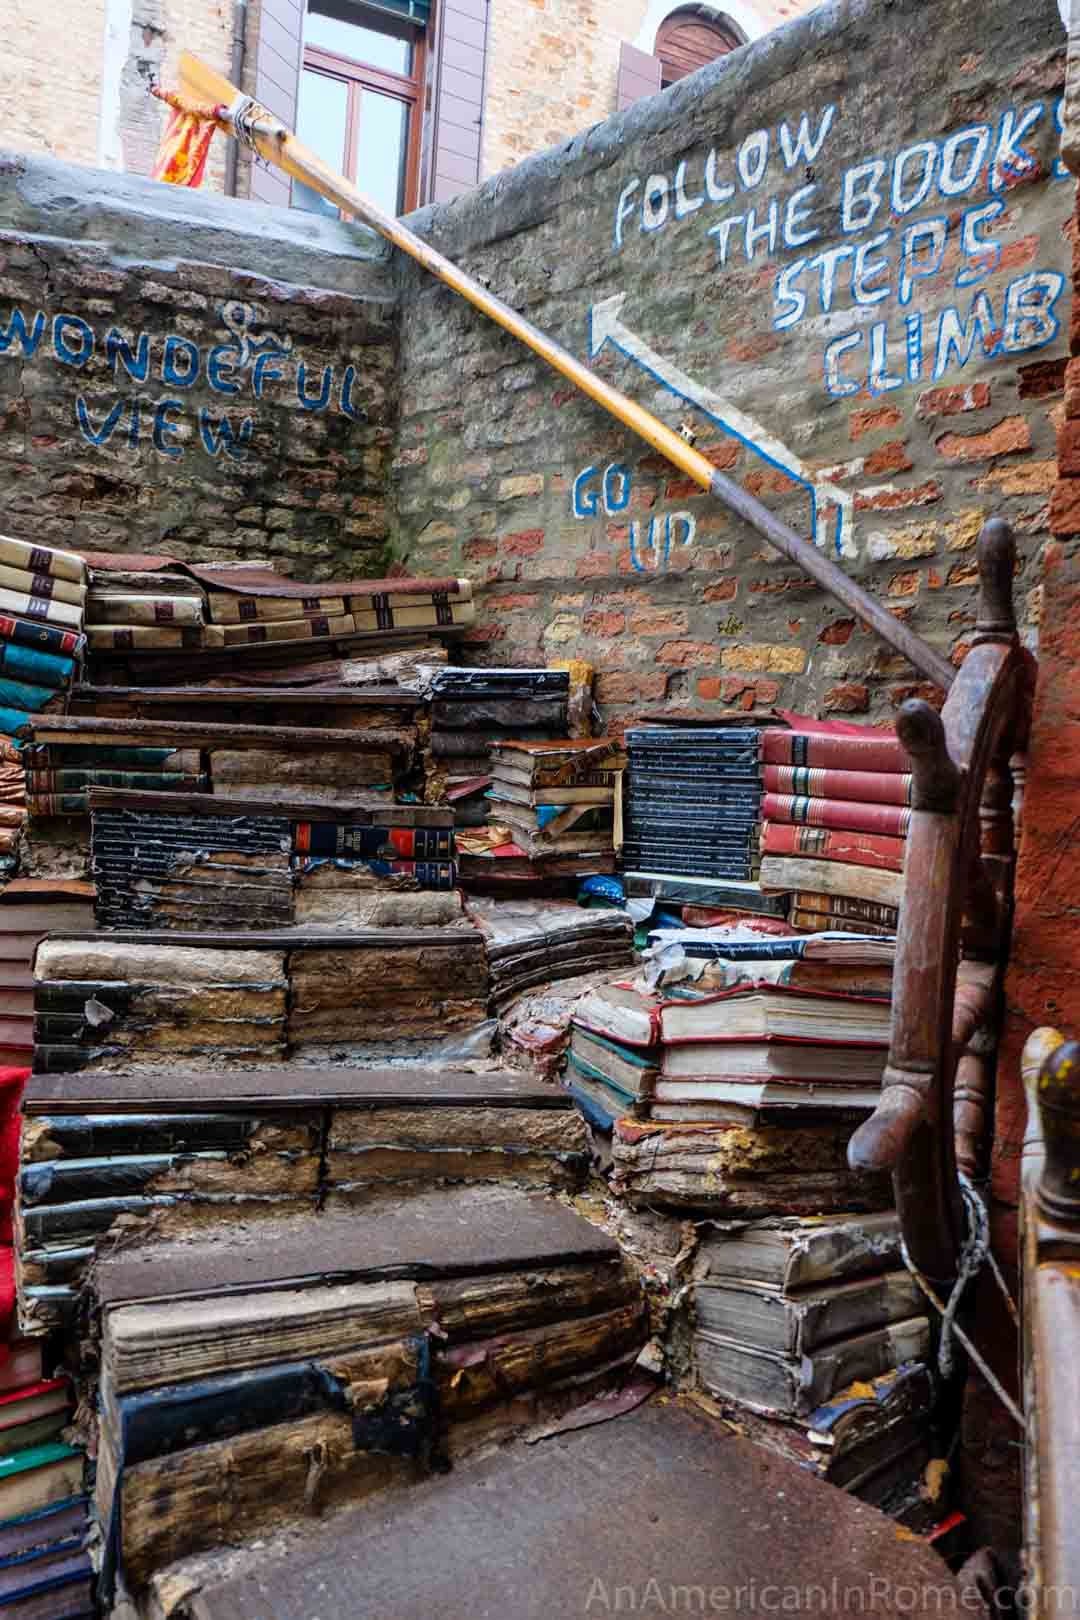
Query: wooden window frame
[{"x": 359, "y": 76}]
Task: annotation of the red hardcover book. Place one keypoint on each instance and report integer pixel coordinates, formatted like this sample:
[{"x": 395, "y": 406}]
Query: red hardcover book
[
  {"x": 891, "y": 819},
  {"x": 834, "y": 844},
  {"x": 869, "y": 753},
  {"x": 864, "y": 787}
]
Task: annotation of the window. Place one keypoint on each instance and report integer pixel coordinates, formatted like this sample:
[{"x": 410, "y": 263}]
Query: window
[
  {"x": 688, "y": 39},
  {"x": 359, "y": 102}
]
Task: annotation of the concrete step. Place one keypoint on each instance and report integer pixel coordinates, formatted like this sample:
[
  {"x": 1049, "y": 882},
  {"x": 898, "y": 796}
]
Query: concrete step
[
  {"x": 163, "y": 1153},
  {"x": 291, "y": 1365},
  {"x": 662, "y": 1511}
]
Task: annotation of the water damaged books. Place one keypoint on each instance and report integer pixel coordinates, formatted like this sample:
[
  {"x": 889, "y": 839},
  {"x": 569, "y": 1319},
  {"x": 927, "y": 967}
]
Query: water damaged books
[
  {"x": 531, "y": 942},
  {"x": 148, "y": 605},
  {"x": 191, "y": 863},
  {"x": 249, "y": 1379},
  {"x": 108, "y": 1001},
  {"x": 562, "y": 797},
  {"x": 816, "y": 1325},
  {"x": 326, "y": 767},
  {"x": 177, "y": 1153}
]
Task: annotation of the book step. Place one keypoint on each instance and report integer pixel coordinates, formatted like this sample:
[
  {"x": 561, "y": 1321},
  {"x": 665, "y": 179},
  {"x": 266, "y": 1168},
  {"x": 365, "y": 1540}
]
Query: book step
[
  {"x": 180, "y": 1153},
  {"x": 334, "y": 1360},
  {"x": 591, "y": 1493}
]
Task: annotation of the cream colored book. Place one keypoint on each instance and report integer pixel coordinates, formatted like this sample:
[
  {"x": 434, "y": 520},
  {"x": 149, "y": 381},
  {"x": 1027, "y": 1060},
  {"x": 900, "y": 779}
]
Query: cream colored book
[
  {"x": 226, "y": 607},
  {"x": 252, "y": 635},
  {"x": 41, "y": 559},
  {"x": 41, "y": 607},
  {"x": 413, "y": 615},
  {"x": 783, "y": 874},
  {"x": 117, "y": 607},
  {"x": 46, "y": 585}
]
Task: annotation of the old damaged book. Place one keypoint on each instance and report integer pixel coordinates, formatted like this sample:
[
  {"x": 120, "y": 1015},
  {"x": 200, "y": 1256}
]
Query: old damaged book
[
  {"x": 608, "y": 1080},
  {"x": 34, "y": 666},
  {"x": 793, "y": 1252},
  {"x": 378, "y": 1349},
  {"x": 33, "y": 559},
  {"x": 765, "y": 1317},
  {"x": 385, "y": 986},
  {"x": 773, "y": 1383},
  {"x": 560, "y": 772},
  {"x": 834, "y": 844},
  {"x": 730, "y": 1169},
  {"x": 320, "y": 626},
  {"x": 49, "y": 638},
  {"x": 879, "y": 752},
  {"x": 140, "y": 637},
  {"x": 788, "y": 873},
  {"x": 388, "y": 613},
  {"x": 229, "y": 607},
  {"x": 530, "y": 941},
  {"x": 372, "y": 841},
  {"x": 846, "y": 814},
  {"x": 487, "y": 714},
  {"x": 556, "y": 829},
  {"x": 355, "y": 896},
  {"x": 780, "y": 1012},
  {"x": 106, "y": 607},
  {"x": 867, "y": 787}
]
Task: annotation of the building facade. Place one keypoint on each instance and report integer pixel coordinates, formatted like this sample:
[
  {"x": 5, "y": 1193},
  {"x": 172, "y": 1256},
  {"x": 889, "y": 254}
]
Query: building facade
[{"x": 417, "y": 100}]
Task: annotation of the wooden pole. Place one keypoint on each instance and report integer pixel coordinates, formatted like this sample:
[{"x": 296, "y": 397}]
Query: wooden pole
[{"x": 270, "y": 138}]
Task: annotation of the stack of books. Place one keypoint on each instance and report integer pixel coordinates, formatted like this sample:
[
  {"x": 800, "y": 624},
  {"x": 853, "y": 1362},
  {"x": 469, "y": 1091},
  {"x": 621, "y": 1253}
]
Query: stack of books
[
  {"x": 168, "y": 1157},
  {"x": 249, "y": 998},
  {"x": 334, "y": 768},
  {"x": 816, "y": 1325},
  {"x": 188, "y": 863},
  {"x": 692, "y": 814},
  {"x": 836, "y": 819},
  {"x": 399, "y": 846},
  {"x": 42, "y": 603},
  {"x": 29, "y": 909},
  {"x": 198, "y": 610},
  {"x": 558, "y": 798},
  {"x": 471, "y": 711},
  {"x": 45, "y": 1568},
  {"x": 532, "y": 942},
  {"x": 308, "y": 1364}
]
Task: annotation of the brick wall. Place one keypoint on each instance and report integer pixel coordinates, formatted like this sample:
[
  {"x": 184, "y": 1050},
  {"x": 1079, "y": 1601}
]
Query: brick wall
[
  {"x": 553, "y": 66},
  {"x": 187, "y": 374},
  {"x": 927, "y": 395},
  {"x": 50, "y": 77}
]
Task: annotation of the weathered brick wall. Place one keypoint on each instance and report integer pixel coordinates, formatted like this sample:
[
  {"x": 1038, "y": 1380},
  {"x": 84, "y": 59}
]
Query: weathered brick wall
[
  {"x": 191, "y": 375},
  {"x": 857, "y": 244}
]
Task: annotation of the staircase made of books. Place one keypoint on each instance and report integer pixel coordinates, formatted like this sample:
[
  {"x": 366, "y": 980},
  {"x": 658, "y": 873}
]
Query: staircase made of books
[{"x": 297, "y": 1230}]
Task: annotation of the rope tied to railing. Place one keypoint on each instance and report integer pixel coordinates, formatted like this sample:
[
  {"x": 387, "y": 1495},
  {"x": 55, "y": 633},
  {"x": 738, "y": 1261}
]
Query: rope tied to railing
[{"x": 975, "y": 1254}]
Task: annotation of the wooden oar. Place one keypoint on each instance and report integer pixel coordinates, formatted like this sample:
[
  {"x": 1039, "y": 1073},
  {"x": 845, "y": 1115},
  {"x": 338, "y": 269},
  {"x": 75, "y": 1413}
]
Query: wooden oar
[{"x": 273, "y": 141}]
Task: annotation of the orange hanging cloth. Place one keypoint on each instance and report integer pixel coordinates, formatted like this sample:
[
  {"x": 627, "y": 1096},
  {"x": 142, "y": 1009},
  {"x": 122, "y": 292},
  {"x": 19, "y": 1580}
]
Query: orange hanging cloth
[{"x": 181, "y": 158}]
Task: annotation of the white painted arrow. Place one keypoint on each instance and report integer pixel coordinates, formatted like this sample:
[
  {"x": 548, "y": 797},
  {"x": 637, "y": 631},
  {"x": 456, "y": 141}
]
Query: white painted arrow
[{"x": 606, "y": 326}]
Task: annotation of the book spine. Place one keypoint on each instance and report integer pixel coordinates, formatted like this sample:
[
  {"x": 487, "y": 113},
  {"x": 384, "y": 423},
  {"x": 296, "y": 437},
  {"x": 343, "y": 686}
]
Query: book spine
[
  {"x": 45, "y": 637},
  {"x": 50, "y": 756},
  {"x": 134, "y": 637},
  {"x": 408, "y": 843},
  {"x": 66, "y": 781},
  {"x": 252, "y": 635},
  {"x": 18, "y": 695},
  {"x": 847, "y": 907},
  {"x": 40, "y": 607},
  {"x": 225, "y": 608},
  {"x": 35, "y": 667},
  {"x": 890, "y": 819},
  {"x": 42, "y": 585},
  {"x": 41, "y": 560},
  {"x": 833, "y": 844},
  {"x": 815, "y": 922},
  {"x": 879, "y": 754},
  {"x": 862, "y": 787},
  {"x": 169, "y": 610}
]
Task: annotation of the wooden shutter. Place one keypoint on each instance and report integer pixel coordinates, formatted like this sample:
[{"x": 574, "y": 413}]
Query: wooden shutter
[
  {"x": 686, "y": 43},
  {"x": 639, "y": 76},
  {"x": 456, "y": 118},
  {"x": 278, "y": 54}
]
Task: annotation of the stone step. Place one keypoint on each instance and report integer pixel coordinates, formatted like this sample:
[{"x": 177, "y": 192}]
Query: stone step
[
  {"x": 167, "y": 1152},
  {"x": 292, "y": 1365},
  {"x": 662, "y": 1511}
]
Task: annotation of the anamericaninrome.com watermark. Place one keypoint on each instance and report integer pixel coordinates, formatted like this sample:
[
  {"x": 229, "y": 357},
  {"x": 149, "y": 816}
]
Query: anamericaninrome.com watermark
[{"x": 871, "y": 1596}]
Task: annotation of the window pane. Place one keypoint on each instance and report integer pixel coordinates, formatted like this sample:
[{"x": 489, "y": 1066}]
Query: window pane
[
  {"x": 362, "y": 44},
  {"x": 321, "y": 111},
  {"x": 380, "y": 150}
]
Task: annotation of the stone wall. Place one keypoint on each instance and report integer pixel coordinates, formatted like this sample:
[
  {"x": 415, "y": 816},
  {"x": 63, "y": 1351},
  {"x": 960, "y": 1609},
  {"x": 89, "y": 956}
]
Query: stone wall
[
  {"x": 192, "y": 375},
  {"x": 837, "y": 255}
]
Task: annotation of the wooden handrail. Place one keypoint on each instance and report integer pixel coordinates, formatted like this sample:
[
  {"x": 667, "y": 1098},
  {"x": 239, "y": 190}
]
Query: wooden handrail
[{"x": 244, "y": 118}]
